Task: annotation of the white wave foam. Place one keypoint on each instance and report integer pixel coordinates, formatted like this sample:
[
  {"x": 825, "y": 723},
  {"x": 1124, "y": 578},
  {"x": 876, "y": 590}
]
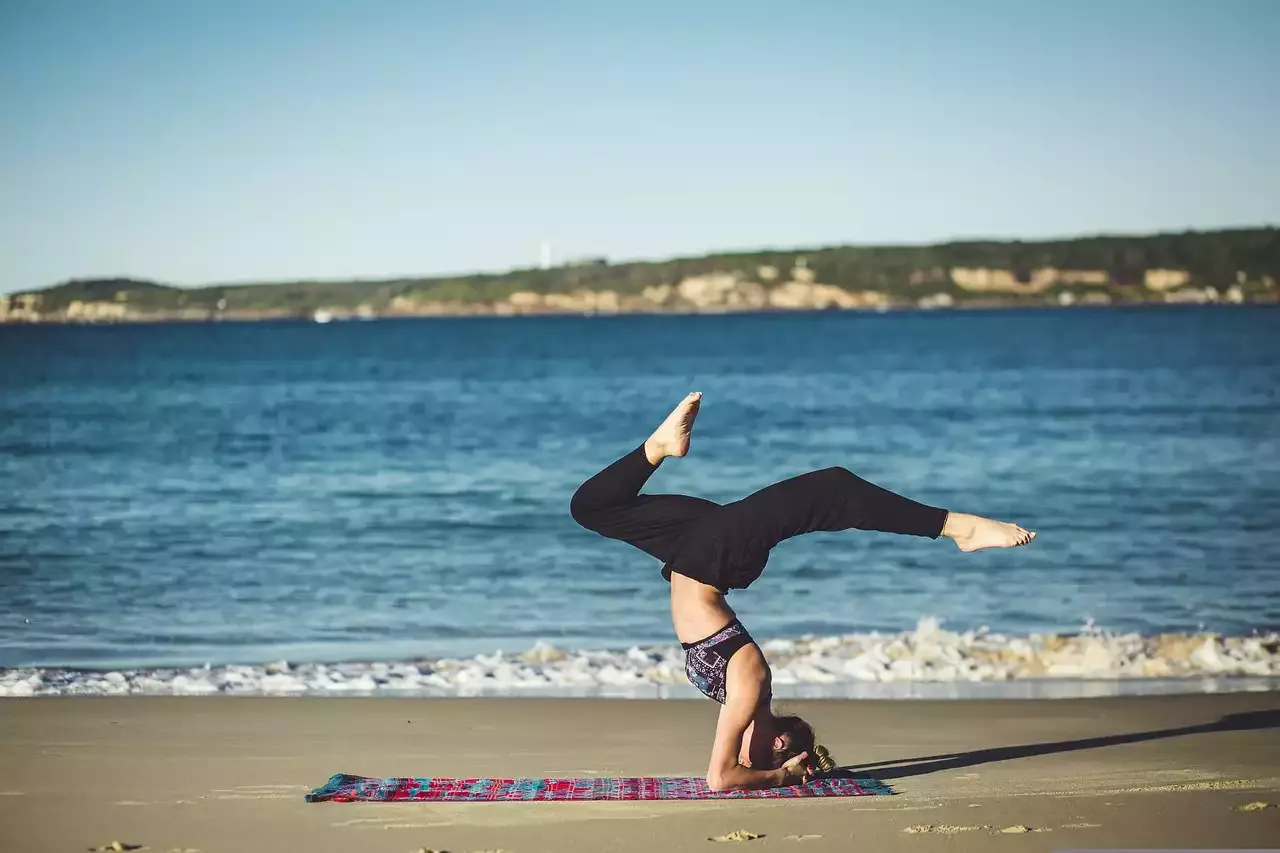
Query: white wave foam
[{"x": 805, "y": 666}]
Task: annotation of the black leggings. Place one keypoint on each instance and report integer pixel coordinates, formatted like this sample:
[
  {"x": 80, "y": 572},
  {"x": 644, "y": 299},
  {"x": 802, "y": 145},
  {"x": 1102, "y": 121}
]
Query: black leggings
[{"x": 727, "y": 545}]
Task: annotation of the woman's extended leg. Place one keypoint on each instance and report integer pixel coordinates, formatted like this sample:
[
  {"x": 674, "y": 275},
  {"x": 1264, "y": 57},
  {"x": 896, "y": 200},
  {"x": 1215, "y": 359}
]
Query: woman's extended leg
[
  {"x": 610, "y": 502},
  {"x": 838, "y": 499}
]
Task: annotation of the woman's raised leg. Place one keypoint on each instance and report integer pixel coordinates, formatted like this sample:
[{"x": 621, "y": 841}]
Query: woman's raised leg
[{"x": 610, "y": 502}]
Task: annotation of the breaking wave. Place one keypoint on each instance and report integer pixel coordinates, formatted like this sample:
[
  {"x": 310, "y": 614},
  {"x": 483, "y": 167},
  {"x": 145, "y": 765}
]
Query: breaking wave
[{"x": 927, "y": 662}]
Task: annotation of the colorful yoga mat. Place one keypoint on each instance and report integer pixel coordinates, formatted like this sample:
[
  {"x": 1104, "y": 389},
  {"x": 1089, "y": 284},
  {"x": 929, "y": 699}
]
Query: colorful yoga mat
[{"x": 345, "y": 788}]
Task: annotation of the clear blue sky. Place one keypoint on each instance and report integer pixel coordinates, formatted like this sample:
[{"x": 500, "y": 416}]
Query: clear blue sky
[{"x": 198, "y": 142}]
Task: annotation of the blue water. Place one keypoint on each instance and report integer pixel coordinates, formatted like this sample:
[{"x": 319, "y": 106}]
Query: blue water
[{"x": 175, "y": 494}]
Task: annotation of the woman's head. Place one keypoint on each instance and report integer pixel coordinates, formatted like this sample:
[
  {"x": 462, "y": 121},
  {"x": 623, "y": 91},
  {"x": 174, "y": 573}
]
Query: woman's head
[{"x": 792, "y": 736}]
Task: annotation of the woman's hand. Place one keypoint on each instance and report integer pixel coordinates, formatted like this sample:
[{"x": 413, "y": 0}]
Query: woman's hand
[{"x": 795, "y": 771}]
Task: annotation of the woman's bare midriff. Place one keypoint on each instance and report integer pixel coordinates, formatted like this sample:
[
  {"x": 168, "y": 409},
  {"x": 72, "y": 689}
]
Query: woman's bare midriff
[{"x": 697, "y": 609}]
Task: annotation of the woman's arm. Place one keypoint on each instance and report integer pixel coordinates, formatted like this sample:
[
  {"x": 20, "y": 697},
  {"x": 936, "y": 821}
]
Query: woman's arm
[{"x": 746, "y": 680}]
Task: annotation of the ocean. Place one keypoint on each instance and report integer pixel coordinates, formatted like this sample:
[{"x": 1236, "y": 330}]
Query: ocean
[{"x": 230, "y": 503}]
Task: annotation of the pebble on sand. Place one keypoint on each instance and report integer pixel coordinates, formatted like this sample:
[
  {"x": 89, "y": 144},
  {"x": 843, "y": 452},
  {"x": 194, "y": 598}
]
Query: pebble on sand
[
  {"x": 737, "y": 835},
  {"x": 940, "y": 829}
]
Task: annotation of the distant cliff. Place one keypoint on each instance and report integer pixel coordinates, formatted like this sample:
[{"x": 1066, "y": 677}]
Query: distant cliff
[{"x": 1231, "y": 266}]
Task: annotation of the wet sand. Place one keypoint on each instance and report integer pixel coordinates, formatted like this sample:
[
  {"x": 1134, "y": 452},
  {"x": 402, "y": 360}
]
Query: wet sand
[{"x": 228, "y": 774}]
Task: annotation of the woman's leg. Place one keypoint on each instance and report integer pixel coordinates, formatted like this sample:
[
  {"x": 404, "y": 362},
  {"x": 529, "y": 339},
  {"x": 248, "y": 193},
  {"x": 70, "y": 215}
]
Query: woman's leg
[
  {"x": 610, "y": 502},
  {"x": 832, "y": 499},
  {"x": 838, "y": 499}
]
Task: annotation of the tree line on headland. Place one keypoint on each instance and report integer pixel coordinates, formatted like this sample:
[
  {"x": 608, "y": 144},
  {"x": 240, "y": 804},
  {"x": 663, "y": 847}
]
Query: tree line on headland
[{"x": 1241, "y": 265}]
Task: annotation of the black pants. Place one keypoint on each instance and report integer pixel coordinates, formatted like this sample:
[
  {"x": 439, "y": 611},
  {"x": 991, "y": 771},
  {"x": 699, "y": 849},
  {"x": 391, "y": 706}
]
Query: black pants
[{"x": 728, "y": 545}]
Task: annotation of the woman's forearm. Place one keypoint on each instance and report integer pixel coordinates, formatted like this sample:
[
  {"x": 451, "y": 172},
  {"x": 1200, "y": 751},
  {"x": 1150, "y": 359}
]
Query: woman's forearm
[{"x": 740, "y": 778}]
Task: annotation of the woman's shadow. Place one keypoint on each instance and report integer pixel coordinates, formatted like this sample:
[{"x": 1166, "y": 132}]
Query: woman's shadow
[{"x": 923, "y": 765}]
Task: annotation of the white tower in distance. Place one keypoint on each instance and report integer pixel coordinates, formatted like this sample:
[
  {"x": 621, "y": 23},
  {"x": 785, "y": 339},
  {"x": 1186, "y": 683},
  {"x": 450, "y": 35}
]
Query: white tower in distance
[{"x": 545, "y": 261}]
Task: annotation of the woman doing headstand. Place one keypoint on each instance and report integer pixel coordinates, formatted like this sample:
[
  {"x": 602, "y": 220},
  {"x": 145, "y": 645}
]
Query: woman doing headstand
[{"x": 708, "y": 549}]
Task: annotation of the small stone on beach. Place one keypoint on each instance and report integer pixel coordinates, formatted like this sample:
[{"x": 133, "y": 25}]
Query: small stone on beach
[
  {"x": 737, "y": 835},
  {"x": 941, "y": 829}
]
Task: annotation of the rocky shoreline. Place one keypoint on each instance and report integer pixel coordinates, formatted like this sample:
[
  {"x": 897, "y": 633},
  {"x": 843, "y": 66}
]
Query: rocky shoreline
[
  {"x": 1231, "y": 267},
  {"x": 699, "y": 295}
]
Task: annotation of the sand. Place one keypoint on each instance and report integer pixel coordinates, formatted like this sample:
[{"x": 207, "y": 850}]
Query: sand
[{"x": 227, "y": 775}]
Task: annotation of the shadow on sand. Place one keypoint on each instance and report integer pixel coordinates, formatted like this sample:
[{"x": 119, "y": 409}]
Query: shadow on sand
[{"x": 904, "y": 767}]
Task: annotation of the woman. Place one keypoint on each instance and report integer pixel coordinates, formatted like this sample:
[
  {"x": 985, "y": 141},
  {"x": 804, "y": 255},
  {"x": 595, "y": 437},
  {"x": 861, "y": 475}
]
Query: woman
[{"x": 708, "y": 549}]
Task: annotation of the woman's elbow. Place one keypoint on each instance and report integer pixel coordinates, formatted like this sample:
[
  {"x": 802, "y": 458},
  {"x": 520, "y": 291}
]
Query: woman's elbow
[{"x": 718, "y": 782}]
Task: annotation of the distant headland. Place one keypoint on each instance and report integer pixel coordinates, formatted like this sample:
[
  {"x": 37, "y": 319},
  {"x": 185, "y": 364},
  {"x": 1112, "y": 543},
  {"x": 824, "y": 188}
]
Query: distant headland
[{"x": 1241, "y": 265}]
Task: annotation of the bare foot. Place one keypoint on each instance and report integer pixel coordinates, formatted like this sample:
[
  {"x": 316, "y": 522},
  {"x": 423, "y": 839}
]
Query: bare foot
[
  {"x": 672, "y": 437},
  {"x": 973, "y": 532}
]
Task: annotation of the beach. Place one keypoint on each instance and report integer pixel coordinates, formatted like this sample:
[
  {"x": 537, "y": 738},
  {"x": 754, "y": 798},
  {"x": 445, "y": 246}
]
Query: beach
[{"x": 229, "y": 774}]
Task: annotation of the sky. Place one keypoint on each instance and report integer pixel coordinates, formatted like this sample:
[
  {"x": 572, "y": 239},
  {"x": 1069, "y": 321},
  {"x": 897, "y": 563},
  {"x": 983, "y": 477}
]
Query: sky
[{"x": 214, "y": 142}]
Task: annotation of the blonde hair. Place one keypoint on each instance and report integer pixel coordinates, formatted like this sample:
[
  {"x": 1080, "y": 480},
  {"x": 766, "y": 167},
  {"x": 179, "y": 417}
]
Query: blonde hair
[
  {"x": 822, "y": 759},
  {"x": 802, "y": 740}
]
